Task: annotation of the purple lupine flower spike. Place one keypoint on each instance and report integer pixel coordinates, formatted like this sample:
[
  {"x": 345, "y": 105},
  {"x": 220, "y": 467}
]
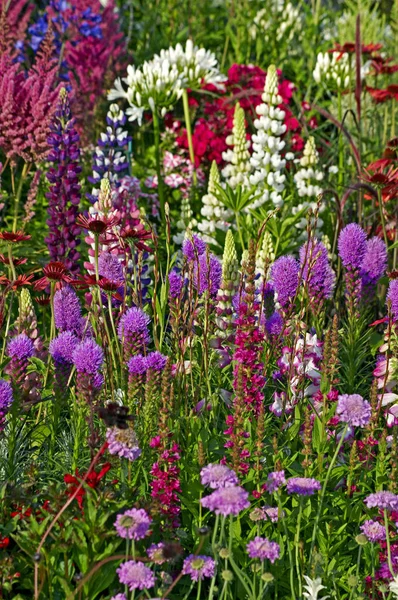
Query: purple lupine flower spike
[{"x": 64, "y": 194}]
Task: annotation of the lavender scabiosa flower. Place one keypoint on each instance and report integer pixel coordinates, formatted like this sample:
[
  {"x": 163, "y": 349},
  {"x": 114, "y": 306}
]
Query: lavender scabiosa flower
[
  {"x": 6, "y": 399},
  {"x": 156, "y": 553},
  {"x": 374, "y": 531},
  {"x": 304, "y": 486},
  {"x": 133, "y": 524},
  {"x": 353, "y": 410},
  {"x": 352, "y": 246},
  {"x": 218, "y": 476},
  {"x": 136, "y": 575},
  {"x": 123, "y": 442},
  {"x": 285, "y": 279},
  {"x": 67, "y": 312},
  {"x": 207, "y": 274},
  {"x": 392, "y": 297},
  {"x": 317, "y": 273},
  {"x": 175, "y": 284},
  {"x": 133, "y": 331},
  {"x": 374, "y": 262},
  {"x": 198, "y": 566},
  {"x": 273, "y": 513},
  {"x": 64, "y": 194},
  {"x": 382, "y": 500},
  {"x": 263, "y": 549},
  {"x": 19, "y": 349},
  {"x": 227, "y": 501},
  {"x": 275, "y": 480},
  {"x": 193, "y": 248}
]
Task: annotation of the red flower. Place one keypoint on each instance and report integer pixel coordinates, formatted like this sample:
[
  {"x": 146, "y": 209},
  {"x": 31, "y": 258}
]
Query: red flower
[
  {"x": 97, "y": 225},
  {"x": 54, "y": 271},
  {"x": 14, "y": 238},
  {"x": 4, "y": 541},
  {"x": 137, "y": 235},
  {"x": 17, "y": 261},
  {"x": 20, "y": 281},
  {"x": 102, "y": 282},
  {"x": 91, "y": 481}
]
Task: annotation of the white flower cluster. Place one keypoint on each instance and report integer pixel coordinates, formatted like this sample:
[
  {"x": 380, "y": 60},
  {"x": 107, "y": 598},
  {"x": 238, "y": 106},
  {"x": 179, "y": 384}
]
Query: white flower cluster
[
  {"x": 334, "y": 69},
  {"x": 215, "y": 214},
  {"x": 313, "y": 587},
  {"x": 196, "y": 66},
  {"x": 265, "y": 253},
  {"x": 281, "y": 20},
  {"x": 306, "y": 180},
  {"x": 267, "y": 144},
  {"x": 155, "y": 85},
  {"x": 186, "y": 223},
  {"x": 238, "y": 167}
]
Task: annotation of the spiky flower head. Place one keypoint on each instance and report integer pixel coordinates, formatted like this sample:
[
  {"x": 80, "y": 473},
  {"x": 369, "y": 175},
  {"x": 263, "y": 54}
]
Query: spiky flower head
[
  {"x": 214, "y": 179},
  {"x": 67, "y": 312},
  {"x": 6, "y": 397},
  {"x": 137, "y": 365},
  {"x": 352, "y": 246},
  {"x": 392, "y": 298},
  {"x": 88, "y": 357},
  {"x": 374, "y": 262},
  {"x": 62, "y": 347},
  {"x": 271, "y": 94},
  {"x": 20, "y": 347},
  {"x": 285, "y": 279},
  {"x": 317, "y": 273},
  {"x": 134, "y": 320},
  {"x": 155, "y": 361}
]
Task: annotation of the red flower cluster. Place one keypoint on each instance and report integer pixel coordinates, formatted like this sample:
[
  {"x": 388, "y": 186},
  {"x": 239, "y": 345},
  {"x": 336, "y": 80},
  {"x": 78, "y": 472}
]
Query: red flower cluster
[
  {"x": 245, "y": 84},
  {"x": 91, "y": 481},
  {"x": 166, "y": 484}
]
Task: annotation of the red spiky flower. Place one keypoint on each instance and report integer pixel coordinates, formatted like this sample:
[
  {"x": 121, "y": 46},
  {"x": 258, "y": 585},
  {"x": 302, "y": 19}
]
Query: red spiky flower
[
  {"x": 97, "y": 224},
  {"x": 137, "y": 235},
  {"x": 54, "y": 271},
  {"x": 14, "y": 238},
  {"x": 92, "y": 481},
  {"x": 19, "y": 282},
  {"x": 17, "y": 261}
]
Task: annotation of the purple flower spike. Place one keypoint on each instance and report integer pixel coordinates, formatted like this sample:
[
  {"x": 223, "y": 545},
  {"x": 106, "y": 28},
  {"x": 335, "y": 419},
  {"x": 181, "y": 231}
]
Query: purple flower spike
[
  {"x": 62, "y": 347},
  {"x": 88, "y": 357},
  {"x": 303, "y": 486},
  {"x": 155, "y": 361},
  {"x": 227, "y": 501},
  {"x": 198, "y": 566},
  {"x": 67, "y": 313},
  {"x": 110, "y": 267},
  {"x": 354, "y": 410},
  {"x": 136, "y": 575},
  {"x": 284, "y": 279},
  {"x": 137, "y": 365},
  {"x": 218, "y": 476},
  {"x": 6, "y": 399},
  {"x": 374, "y": 262},
  {"x": 210, "y": 274},
  {"x": 194, "y": 248},
  {"x": 133, "y": 524},
  {"x": 20, "y": 347},
  {"x": 175, "y": 284},
  {"x": 392, "y": 297},
  {"x": 263, "y": 549},
  {"x": 352, "y": 246},
  {"x": 317, "y": 272},
  {"x": 374, "y": 531},
  {"x": 133, "y": 330},
  {"x": 274, "y": 325}
]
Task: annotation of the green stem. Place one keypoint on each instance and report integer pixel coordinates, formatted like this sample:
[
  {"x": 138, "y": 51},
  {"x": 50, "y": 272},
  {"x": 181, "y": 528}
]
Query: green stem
[
  {"x": 17, "y": 198},
  {"x": 12, "y": 267},
  {"x": 297, "y": 546},
  {"x": 340, "y": 145},
  {"x": 156, "y": 132},
  {"x": 383, "y": 223},
  {"x": 354, "y": 587},
  {"x": 289, "y": 550},
  {"x": 199, "y": 589},
  {"x": 318, "y": 515},
  {"x": 187, "y": 118}
]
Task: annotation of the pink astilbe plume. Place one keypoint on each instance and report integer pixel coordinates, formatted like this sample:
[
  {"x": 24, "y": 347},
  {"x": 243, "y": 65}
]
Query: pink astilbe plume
[
  {"x": 14, "y": 22},
  {"x": 28, "y": 101}
]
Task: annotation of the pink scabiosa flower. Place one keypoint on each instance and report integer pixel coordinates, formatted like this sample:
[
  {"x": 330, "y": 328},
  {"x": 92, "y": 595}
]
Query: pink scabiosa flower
[
  {"x": 227, "y": 501},
  {"x": 275, "y": 480},
  {"x": 133, "y": 524},
  {"x": 353, "y": 410},
  {"x": 20, "y": 349},
  {"x": 303, "y": 486},
  {"x": 382, "y": 500},
  {"x": 156, "y": 553},
  {"x": 136, "y": 575},
  {"x": 374, "y": 531},
  {"x": 6, "y": 399},
  {"x": 218, "y": 476},
  {"x": 119, "y": 597},
  {"x": 285, "y": 280},
  {"x": 198, "y": 566},
  {"x": 263, "y": 549},
  {"x": 133, "y": 331},
  {"x": 123, "y": 443}
]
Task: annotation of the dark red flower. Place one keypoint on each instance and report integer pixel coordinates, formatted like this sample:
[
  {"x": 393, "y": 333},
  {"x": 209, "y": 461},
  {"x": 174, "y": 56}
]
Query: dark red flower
[
  {"x": 17, "y": 261},
  {"x": 54, "y": 271},
  {"x": 4, "y": 541},
  {"x": 14, "y": 238},
  {"x": 97, "y": 225},
  {"x": 20, "y": 281},
  {"x": 137, "y": 235},
  {"x": 43, "y": 300},
  {"x": 102, "y": 282}
]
